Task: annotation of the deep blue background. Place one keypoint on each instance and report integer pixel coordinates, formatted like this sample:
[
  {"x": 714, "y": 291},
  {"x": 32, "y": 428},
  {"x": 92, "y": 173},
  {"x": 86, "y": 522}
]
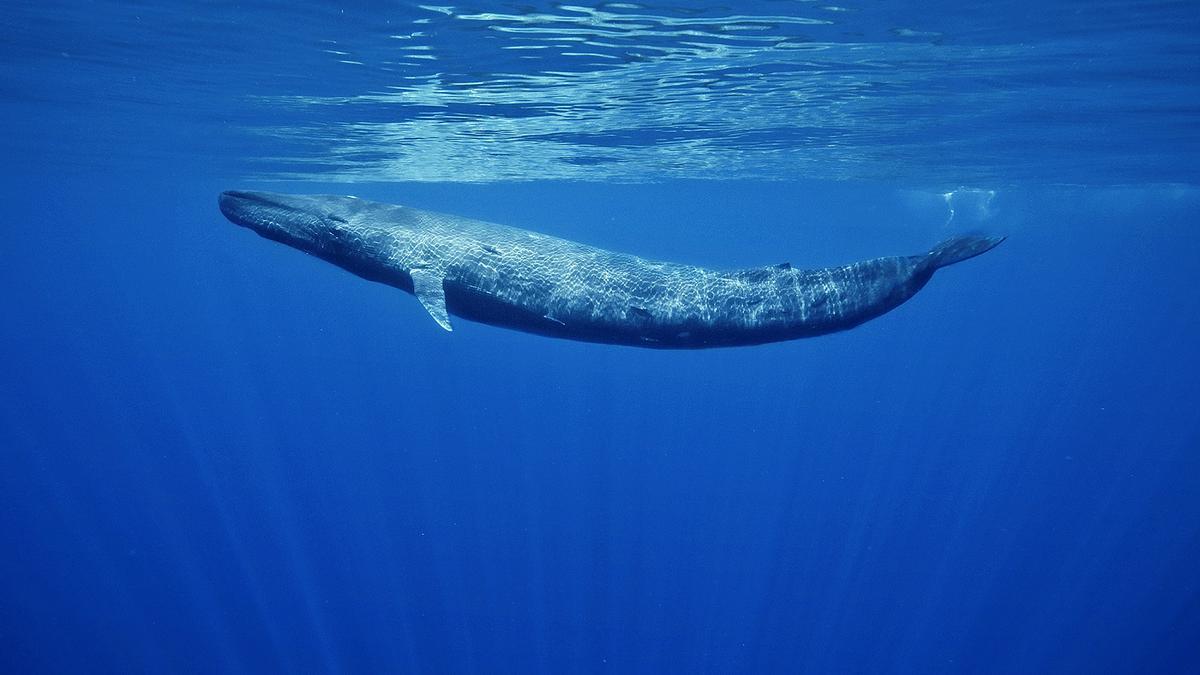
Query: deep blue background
[
  {"x": 220, "y": 455},
  {"x": 223, "y": 455}
]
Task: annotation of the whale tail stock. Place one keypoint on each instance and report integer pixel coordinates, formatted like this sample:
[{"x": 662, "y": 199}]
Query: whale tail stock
[{"x": 958, "y": 249}]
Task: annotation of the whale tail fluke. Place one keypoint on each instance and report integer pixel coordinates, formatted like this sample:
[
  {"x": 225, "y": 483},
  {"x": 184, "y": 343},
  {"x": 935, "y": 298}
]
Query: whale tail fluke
[{"x": 958, "y": 249}]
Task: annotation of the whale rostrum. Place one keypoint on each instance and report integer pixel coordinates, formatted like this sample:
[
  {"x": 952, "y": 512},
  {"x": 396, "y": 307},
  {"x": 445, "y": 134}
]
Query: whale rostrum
[{"x": 514, "y": 278}]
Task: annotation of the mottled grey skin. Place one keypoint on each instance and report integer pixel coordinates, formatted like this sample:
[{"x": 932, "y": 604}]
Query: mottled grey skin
[{"x": 532, "y": 282}]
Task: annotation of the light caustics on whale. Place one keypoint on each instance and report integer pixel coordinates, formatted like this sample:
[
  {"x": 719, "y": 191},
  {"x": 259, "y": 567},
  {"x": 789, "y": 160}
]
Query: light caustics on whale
[{"x": 514, "y": 278}]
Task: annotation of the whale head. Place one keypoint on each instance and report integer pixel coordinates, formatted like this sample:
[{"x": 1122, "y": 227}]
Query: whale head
[
  {"x": 352, "y": 233},
  {"x": 316, "y": 224}
]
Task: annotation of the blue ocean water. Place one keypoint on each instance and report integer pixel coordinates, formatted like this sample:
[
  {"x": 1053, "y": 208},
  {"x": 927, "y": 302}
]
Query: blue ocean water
[{"x": 220, "y": 455}]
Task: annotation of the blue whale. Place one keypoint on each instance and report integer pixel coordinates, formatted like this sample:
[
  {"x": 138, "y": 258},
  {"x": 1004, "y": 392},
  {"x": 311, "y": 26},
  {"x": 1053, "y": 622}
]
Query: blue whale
[{"x": 514, "y": 278}]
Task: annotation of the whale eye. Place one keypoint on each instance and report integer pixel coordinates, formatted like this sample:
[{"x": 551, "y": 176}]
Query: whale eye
[{"x": 336, "y": 218}]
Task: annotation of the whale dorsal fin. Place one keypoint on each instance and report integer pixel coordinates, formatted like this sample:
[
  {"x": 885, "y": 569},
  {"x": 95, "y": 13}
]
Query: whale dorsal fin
[{"x": 427, "y": 286}]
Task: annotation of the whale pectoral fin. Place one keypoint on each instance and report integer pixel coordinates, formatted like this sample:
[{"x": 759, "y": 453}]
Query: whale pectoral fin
[{"x": 427, "y": 285}]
